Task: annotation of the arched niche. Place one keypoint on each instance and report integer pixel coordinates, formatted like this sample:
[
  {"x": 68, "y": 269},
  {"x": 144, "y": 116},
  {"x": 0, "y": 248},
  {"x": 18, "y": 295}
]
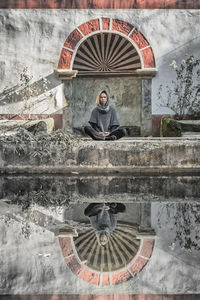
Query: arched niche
[{"x": 108, "y": 54}]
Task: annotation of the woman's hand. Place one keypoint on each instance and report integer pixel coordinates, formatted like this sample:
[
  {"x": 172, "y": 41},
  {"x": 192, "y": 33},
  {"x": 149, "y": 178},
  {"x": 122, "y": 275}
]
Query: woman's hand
[{"x": 106, "y": 133}]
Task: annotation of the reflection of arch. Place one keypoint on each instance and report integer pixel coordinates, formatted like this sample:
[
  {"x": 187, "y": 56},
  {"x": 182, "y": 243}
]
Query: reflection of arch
[
  {"x": 80, "y": 269},
  {"x": 120, "y": 250},
  {"x": 109, "y": 27}
]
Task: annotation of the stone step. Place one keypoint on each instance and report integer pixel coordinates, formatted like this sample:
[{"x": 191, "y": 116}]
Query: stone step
[
  {"x": 190, "y": 134},
  {"x": 190, "y": 125}
]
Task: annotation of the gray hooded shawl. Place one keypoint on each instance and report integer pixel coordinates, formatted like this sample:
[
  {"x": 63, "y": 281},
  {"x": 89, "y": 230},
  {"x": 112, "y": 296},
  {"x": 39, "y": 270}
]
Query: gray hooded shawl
[
  {"x": 104, "y": 221},
  {"x": 104, "y": 118}
]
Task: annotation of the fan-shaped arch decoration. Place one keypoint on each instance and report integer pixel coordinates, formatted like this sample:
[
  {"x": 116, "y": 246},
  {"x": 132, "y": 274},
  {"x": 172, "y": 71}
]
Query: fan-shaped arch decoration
[
  {"x": 101, "y": 46},
  {"x": 118, "y": 252},
  {"x": 106, "y": 53}
]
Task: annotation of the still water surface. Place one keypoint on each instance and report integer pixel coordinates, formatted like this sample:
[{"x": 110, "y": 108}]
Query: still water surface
[{"x": 33, "y": 210}]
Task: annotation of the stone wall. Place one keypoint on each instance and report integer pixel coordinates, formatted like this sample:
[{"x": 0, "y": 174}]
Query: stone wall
[{"x": 47, "y": 155}]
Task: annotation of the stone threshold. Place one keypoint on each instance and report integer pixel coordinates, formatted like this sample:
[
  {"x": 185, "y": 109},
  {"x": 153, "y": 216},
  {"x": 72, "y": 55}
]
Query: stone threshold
[
  {"x": 185, "y": 137},
  {"x": 194, "y": 137},
  {"x": 97, "y": 170}
]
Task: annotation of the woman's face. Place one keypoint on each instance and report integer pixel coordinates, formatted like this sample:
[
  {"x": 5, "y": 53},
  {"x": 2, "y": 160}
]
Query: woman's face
[
  {"x": 103, "y": 239},
  {"x": 103, "y": 99}
]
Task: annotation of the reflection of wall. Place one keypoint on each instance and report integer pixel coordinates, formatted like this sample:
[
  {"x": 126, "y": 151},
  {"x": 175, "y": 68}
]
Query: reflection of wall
[
  {"x": 34, "y": 263},
  {"x": 48, "y": 190},
  {"x": 124, "y": 93},
  {"x": 182, "y": 220}
]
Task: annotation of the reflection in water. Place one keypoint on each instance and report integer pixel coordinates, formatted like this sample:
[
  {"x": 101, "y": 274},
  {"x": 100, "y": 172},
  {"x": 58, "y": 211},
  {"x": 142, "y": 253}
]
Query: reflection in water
[
  {"x": 183, "y": 219},
  {"x": 103, "y": 218},
  {"x": 63, "y": 190},
  {"x": 34, "y": 211},
  {"x": 120, "y": 249},
  {"x": 108, "y": 246}
]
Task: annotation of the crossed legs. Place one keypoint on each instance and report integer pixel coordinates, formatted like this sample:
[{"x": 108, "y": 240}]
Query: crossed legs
[{"x": 95, "y": 135}]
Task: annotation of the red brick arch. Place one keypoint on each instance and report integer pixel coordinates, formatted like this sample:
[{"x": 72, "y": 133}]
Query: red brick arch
[
  {"x": 104, "y": 278},
  {"x": 105, "y": 25}
]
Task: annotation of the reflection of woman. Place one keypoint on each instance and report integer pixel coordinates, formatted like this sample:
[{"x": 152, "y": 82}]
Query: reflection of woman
[
  {"x": 103, "y": 121},
  {"x": 103, "y": 218}
]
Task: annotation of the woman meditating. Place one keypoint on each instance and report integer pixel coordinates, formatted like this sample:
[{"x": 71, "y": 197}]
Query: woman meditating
[{"x": 103, "y": 121}]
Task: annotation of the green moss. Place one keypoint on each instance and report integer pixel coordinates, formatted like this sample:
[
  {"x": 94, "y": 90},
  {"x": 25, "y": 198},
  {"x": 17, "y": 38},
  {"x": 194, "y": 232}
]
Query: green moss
[{"x": 170, "y": 127}]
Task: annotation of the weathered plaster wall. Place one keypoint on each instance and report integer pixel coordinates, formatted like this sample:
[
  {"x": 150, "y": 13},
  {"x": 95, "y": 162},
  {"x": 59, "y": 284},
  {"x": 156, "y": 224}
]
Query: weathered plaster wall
[
  {"x": 31, "y": 260},
  {"x": 34, "y": 39}
]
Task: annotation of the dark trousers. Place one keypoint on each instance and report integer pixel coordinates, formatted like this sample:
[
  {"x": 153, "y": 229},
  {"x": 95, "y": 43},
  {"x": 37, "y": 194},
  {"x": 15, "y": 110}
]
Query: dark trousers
[
  {"x": 94, "y": 209},
  {"x": 118, "y": 133}
]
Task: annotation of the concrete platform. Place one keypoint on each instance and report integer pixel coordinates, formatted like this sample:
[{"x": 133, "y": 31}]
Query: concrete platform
[{"x": 149, "y": 156}]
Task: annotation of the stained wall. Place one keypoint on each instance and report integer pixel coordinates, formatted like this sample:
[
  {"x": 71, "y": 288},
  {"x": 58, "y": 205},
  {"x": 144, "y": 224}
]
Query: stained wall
[{"x": 126, "y": 99}]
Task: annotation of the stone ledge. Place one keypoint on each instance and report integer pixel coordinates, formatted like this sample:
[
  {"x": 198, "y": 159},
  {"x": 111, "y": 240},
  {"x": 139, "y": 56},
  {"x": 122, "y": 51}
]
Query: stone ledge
[
  {"x": 122, "y": 170},
  {"x": 135, "y": 157},
  {"x": 64, "y": 74}
]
